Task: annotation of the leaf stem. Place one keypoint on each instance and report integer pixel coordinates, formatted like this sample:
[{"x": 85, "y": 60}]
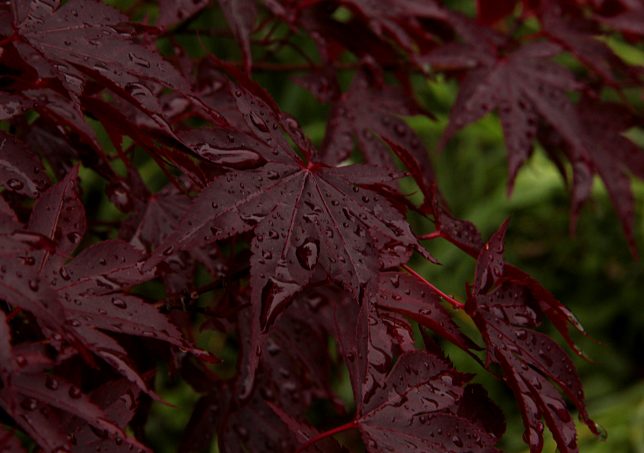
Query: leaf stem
[
  {"x": 332, "y": 432},
  {"x": 430, "y": 236},
  {"x": 455, "y": 303}
]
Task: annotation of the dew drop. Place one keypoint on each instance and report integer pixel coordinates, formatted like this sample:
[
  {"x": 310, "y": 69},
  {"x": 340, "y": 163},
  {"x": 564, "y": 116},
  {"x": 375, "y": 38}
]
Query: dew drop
[
  {"x": 258, "y": 122},
  {"x": 64, "y": 274},
  {"x": 308, "y": 253},
  {"x": 51, "y": 383},
  {"x": 134, "y": 58},
  {"x": 33, "y": 285},
  {"x": 15, "y": 184},
  {"x": 29, "y": 404},
  {"x": 602, "y": 433},
  {"x": 119, "y": 303},
  {"x": 74, "y": 237},
  {"x": 238, "y": 158}
]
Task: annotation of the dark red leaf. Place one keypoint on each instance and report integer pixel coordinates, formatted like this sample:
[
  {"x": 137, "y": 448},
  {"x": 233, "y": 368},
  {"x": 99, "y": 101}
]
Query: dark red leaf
[
  {"x": 20, "y": 170},
  {"x": 371, "y": 115},
  {"x": 507, "y": 312},
  {"x": 414, "y": 409},
  {"x": 523, "y": 87},
  {"x": 173, "y": 11},
  {"x": 241, "y": 15}
]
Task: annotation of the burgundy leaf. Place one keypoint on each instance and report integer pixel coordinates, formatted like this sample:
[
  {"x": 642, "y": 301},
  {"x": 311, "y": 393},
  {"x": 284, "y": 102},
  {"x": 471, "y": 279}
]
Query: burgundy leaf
[
  {"x": 523, "y": 87},
  {"x": 173, "y": 11},
  {"x": 507, "y": 313},
  {"x": 414, "y": 409},
  {"x": 59, "y": 214},
  {"x": 241, "y": 15},
  {"x": 404, "y": 294},
  {"x": 367, "y": 113},
  {"x": 20, "y": 169}
]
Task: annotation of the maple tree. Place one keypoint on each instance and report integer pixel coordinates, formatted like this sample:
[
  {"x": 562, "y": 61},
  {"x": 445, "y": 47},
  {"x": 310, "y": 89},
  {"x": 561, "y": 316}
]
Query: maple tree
[{"x": 248, "y": 229}]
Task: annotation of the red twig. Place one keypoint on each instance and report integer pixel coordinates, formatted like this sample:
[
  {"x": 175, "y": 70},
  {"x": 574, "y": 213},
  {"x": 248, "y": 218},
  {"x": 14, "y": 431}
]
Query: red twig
[
  {"x": 332, "y": 432},
  {"x": 455, "y": 303}
]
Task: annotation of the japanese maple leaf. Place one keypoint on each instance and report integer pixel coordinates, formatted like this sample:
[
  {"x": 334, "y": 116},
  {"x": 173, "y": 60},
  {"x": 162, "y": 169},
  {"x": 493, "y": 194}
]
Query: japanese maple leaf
[
  {"x": 119, "y": 400},
  {"x": 370, "y": 113},
  {"x": 506, "y": 310},
  {"x": 241, "y": 15},
  {"x": 368, "y": 342},
  {"x": 459, "y": 232},
  {"x": 20, "y": 170},
  {"x": 33, "y": 398},
  {"x": 492, "y": 11},
  {"x": 629, "y": 20},
  {"x": 370, "y": 336},
  {"x": 90, "y": 290},
  {"x": 613, "y": 156},
  {"x": 310, "y": 221},
  {"x": 524, "y": 87},
  {"x": 407, "y": 295},
  {"x": 173, "y": 11},
  {"x": 85, "y": 38},
  {"x": 417, "y": 407},
  {"x": 564, "y": 23},
  {"x": 398, "y": 18}
]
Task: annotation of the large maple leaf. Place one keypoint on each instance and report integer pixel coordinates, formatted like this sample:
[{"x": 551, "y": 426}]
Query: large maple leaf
[
  {"x": 506, "y": 308},
  {"x": 311, "y": 222}
]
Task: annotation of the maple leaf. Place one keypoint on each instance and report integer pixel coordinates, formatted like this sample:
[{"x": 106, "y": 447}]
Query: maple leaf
[
  {"x": 82, "y": 39},
  {"x": 314, "y": 222},
  {"x": 506, "y": 310},
  {"x": 629, "y": 19},
  {"x": 405, "y": 294},
  {"x": 459, "y": 232},
  {"x": 370, "y": 113},
  {"x": 398, "y": 18},
  {"x": 241, "y": 15},
  {"x": 173, "y": 11},
  {"x": 20, "y": 169},
  {"x": 563, "y": 23},
  {"x": 310, "y": 221},
  {"x": 612, "y": 155},
  {"x": 31, "y": 397},
  {"x": 417, "y": 408},
  {"x": 90, "y": 289},
  {"x": 523, "y": 87},
  {"x": 119, "y": 400},
  {"x": 492, "y": 11}
]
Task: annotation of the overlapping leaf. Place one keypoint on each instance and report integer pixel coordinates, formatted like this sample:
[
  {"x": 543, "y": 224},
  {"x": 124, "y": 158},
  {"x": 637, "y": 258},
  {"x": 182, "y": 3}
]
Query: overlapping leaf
[
  {"x": 507, "y": 310},
  {"x": 370, "y": 115},
  {"x": 524, "y": 87},
  {"x": 417, "y": 408},
  {"x": 310, "y": 221}
]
